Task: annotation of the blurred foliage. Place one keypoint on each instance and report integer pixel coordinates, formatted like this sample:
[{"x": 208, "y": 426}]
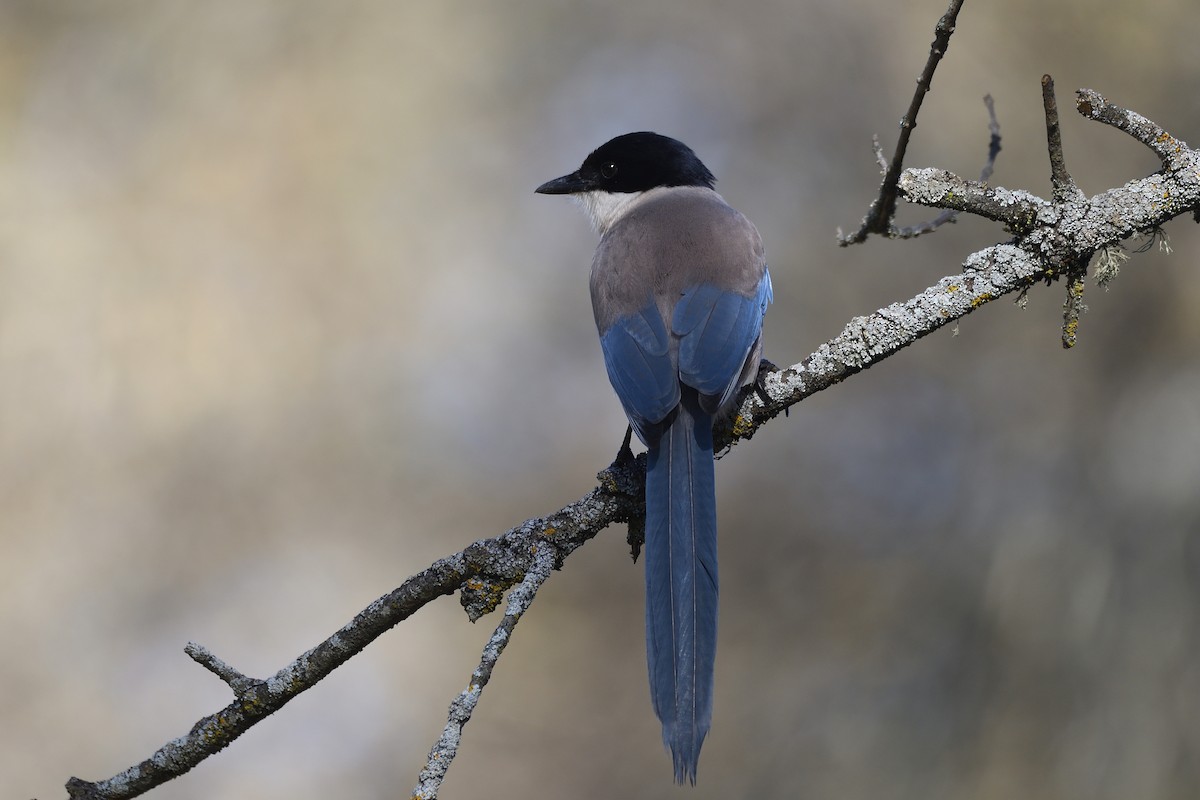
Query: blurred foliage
[{"x": 281, "y": 321}]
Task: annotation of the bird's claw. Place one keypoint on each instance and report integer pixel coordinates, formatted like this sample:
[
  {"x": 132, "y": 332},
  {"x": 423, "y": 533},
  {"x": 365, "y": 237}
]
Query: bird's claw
[
  {"x": 765, "y": 368},
  {"x": 625, "y": 454}
]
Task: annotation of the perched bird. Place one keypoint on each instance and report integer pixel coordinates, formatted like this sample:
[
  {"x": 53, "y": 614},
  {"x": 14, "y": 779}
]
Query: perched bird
[{"x": 679, "y": 289}]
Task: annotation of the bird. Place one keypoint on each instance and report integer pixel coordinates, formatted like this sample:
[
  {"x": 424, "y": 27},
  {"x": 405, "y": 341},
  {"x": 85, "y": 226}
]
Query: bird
[{"x": 679, "y": 287}]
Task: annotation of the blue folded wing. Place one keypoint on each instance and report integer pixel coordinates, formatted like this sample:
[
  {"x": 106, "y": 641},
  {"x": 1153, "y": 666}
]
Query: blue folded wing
[
  {"x": 717, "y": 329},
  {"x": 637, "y": 355}
]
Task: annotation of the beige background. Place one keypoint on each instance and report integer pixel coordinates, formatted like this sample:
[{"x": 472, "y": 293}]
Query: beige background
[{"x": 282, "y": 321}]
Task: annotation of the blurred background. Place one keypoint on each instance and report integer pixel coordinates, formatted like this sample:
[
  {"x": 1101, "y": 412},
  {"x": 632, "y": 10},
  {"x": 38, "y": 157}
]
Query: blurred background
[{"x": 282, "y": 321}]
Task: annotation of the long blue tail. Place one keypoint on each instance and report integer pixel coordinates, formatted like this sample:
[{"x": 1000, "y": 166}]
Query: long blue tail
[{"x": 681, "y": 582}]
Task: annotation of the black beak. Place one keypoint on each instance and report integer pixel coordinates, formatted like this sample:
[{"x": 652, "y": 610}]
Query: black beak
[{"x": 567, "y": 184}]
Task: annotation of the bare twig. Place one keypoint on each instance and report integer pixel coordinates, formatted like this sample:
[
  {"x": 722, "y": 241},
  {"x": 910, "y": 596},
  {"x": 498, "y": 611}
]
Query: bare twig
[
  {"x": 1049, "y": 235},
  {"x": 883, "y": 209},
  {"x": 929, "y": 226},
  {"x": 446, "y": 747},
  {"x": 880, "y": 158},
  {"x": 1063, "y": 185},
  {"x": 239, "y": 683},
  {"x": 985, "y": 174}
]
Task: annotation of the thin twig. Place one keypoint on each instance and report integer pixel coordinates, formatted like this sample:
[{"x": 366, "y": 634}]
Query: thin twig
[
  {"x": 239, "y": 683},
  {"x": 985, "y": 174},
  {"x": 929, "y": 226},
  {"x": 880, "y": 158},
  {"x": 446, "y": 747},
  {"x": 1062, "y": 184},
  {"x": 883, "y": 209}
]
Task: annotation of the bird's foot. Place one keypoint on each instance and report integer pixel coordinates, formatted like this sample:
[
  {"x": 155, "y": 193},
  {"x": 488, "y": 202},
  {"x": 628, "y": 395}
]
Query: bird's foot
[{"x": 765, "y": 368}]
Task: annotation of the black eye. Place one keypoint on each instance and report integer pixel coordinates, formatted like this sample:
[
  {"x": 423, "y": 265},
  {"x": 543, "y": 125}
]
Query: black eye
[{"x": 608, "y": 170}]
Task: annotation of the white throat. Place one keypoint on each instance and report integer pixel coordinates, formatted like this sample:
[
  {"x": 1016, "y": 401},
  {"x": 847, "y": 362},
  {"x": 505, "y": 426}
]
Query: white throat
[{"x": 605, "y": 208}]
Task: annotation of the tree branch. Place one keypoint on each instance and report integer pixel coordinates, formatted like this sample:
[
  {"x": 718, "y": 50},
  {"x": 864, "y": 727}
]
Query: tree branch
[
  {"x": 1170, "y": 151},
  {"x": 1049, "y": 237},
  {"x": 483, "y": 571},
  {"x": 1063, "y": 191},
  {"x": 1061, "y": 232},
  {"x": 883, "y": 208}
]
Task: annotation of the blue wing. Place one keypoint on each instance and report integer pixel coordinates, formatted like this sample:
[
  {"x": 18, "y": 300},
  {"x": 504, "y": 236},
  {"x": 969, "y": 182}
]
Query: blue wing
[
  {"x": 717, "y": 329},
  {"x": 637, "y": 355}
]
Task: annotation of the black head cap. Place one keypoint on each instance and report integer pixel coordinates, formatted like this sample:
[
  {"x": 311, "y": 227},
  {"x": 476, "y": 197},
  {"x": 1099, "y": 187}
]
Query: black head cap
[{"x": 634, "y": 162}]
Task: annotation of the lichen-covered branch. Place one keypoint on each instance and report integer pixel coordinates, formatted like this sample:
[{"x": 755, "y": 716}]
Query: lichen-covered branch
[
  {"x": 482, "y": 571},
  {"x": 865, "y": 341},
  {"x": 1077, "y": 226},
  {"x": 1168, "y": 149},
  {"x": 1016, "y": 208},
  {"x": 1050, "y": 238},
  {"x": 1064, "y": 190}
]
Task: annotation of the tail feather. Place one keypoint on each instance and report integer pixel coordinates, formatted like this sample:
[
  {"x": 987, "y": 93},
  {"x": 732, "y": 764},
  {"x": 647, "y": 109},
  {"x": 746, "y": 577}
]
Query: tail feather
[{"x": 681, "y": 582}]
